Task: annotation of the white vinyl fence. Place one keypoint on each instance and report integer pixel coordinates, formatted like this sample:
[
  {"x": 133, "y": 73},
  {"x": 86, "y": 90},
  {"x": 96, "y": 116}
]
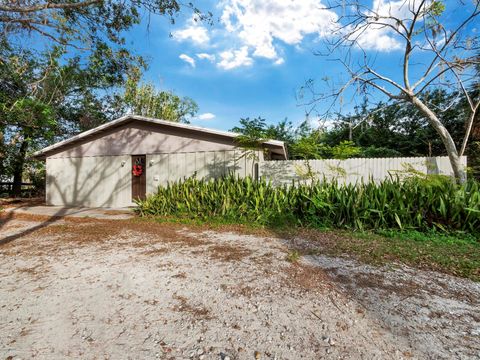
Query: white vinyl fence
[{"x": 353, "y": 170}]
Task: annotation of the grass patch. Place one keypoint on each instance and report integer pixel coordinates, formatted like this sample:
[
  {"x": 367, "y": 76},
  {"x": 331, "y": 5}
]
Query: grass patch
[
  {"x": 455, "y": 254},
  {"x": 213, "y": 223}
]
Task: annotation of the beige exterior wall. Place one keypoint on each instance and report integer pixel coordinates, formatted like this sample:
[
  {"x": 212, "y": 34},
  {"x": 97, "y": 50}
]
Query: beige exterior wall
[
  {"x": 91, "y": 173},
  {"x": 99, "y": 181},
  {"x": 105, "y": 181},
  {"x": 164, "y": 168},
  {"x": 143, "y": 138}
]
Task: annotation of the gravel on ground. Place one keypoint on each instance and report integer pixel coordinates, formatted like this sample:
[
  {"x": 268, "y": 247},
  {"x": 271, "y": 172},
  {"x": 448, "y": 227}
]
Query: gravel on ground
[{"x": 129, "y": 289}]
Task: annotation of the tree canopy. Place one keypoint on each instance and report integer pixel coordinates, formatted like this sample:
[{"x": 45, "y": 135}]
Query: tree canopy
[
  {"x": 78, "y": 77},
  {"x": 82, "y": 24},
  {"x": 146, "y": 100}
]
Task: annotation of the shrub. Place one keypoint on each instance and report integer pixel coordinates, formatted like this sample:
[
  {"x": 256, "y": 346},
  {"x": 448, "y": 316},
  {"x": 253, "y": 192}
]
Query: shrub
[
  {"x": 393, "y": 204},
  {"x": 379, "y": 152}
]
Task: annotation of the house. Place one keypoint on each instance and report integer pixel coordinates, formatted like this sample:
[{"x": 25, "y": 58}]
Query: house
[{"x": 125, "y": 159}]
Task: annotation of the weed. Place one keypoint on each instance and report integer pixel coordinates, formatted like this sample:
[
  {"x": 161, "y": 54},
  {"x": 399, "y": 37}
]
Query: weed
[{"x": 293, "y": 256}]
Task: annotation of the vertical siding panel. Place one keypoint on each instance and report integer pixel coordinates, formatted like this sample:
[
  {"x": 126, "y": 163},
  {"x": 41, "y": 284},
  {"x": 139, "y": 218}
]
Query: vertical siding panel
[
  {"x": 190, "y": 166},
  {"x": 200, "y": 164},
  {"x": 181, "y": 163},
  {"x": 162, "y": 169},
  {"x": 209, "y": 165},
  {"x": 230, "y": 162},
  {"x": 248, "y": 164},
  {"x": 172, "y": 159},
  {"x": 183, "y": 166},
  {"x": 151, "y": 171},
  {"x": 220, "y": 165},
  {"x": 241, "y": 163},
  {"x": 203, "y": 165},
  {"x": 236, "y": 167},
  {"x": 169, "y": 167}
]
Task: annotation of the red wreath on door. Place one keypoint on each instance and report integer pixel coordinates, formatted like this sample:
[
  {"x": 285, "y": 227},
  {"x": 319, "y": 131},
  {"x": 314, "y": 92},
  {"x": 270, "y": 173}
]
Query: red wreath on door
[{"x": 137, "y": 170}]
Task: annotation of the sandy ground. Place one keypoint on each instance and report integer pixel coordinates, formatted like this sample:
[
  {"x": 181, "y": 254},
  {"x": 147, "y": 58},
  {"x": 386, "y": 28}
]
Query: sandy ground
[{"x": 97, "y": 289}]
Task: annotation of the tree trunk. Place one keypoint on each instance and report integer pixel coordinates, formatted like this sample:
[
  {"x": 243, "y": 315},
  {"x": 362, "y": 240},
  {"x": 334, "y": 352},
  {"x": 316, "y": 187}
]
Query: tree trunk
[
  {"x": 18, "y": 170},
  {"x": 455, "y": 159}
]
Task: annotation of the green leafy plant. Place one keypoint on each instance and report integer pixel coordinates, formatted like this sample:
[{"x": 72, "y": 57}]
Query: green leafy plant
[
  {"x": 345, "y": 150},
  {"x": 412, "y": 204}
]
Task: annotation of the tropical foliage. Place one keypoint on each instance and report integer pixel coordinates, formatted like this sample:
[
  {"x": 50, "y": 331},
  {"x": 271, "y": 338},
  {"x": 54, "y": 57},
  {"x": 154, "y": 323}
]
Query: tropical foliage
[{"x": 420, "y": 204}]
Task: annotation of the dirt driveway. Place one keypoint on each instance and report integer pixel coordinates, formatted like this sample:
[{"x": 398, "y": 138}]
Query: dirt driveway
[{"x": 128, "y": 289}]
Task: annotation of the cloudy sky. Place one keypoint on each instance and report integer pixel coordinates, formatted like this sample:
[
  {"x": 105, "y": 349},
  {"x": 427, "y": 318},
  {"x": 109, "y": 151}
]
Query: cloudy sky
[{"x": 254, "y": 58}]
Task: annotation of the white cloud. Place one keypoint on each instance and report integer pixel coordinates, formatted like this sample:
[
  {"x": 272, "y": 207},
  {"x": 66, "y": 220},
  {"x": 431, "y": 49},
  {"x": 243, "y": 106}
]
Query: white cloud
[
  {"x": 260, "y": 24},
  {"x": 187, "y": 59},
  {"x": 232, "y": 59},
  {"x": 206, "y": 116},
  {"x": 261, "y": 28},
  {"x": 204, "y": 56},
  {"x": 194, "y": 31},
  {"x": 377, "y": 39},
  {"x": 378, "y": 36}
]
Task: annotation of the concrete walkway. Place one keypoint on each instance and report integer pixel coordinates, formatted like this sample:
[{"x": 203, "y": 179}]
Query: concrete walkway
[{"x": 95, "y": 213}]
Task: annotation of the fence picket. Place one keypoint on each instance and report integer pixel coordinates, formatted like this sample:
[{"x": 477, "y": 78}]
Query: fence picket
[{"x": 354, "y": 170}]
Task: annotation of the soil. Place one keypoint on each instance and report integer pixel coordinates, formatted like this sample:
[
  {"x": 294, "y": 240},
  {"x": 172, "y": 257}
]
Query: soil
[
  {"x": 16, "y": 202},
  {"x": 129, "y": 289}
]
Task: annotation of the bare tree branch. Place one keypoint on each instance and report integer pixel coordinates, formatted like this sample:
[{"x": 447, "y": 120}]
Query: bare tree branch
[
  {"x": 48, "y": 5},
  {"x": 450, "y": 63}
]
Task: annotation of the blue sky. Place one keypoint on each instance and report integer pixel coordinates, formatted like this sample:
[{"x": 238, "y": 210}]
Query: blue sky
[{"x": 254, "y": 58}]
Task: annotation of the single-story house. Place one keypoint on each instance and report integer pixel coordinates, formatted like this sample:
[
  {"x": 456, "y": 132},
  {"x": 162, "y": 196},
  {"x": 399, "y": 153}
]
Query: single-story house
[{"x": 125, "y": 159}]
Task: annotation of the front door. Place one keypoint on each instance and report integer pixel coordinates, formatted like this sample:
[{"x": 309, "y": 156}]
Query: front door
[{"x": 139, "y": 177}]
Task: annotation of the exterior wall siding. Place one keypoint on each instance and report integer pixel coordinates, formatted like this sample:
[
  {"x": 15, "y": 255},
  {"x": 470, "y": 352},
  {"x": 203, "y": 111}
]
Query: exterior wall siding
[
  {"x": 351, "y": 171},
  {"x": 105, "y": 181},
  {"x": 165, "y": 168},
  {"x": 99, "y": 181}
]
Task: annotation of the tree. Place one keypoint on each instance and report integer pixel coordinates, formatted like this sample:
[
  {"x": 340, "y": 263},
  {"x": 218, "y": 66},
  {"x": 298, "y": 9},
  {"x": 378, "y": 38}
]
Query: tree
[
  {"x": 253, "y": 132},
  {"x": 435, "y": 54},
  {"x": 146, "y": 100},
  {"x": 65, "y": 85},
  {"x": 45, "y": 97},
  {"x": 82, "y": 23},
  {"x": 24, "y": 119},
  {"x": 303, "y": 142},
  {"x": 85, "y": 29},
  {"x": 399, "y": 129}
]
